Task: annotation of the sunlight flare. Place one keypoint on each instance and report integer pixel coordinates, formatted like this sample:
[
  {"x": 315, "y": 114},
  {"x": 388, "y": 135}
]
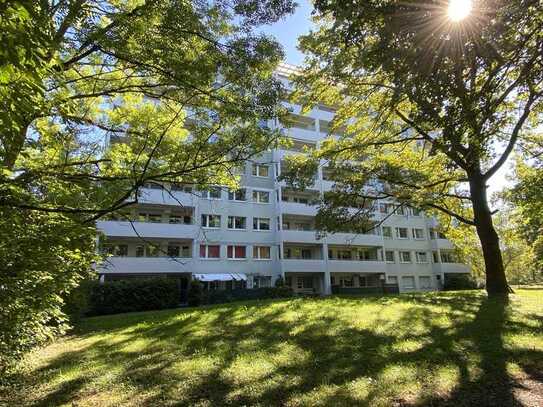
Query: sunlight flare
[{"x": 459, "y": 9}]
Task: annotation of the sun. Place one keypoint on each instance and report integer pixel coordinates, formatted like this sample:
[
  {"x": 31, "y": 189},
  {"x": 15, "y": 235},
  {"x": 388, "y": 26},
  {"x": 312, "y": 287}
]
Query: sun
[{"x": 459, "y": 9}]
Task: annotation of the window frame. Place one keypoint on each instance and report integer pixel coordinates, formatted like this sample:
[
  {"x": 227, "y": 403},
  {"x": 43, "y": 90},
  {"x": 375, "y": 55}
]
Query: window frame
[
  {"x": 393, "y": 256},
  {"x": 232, "y": 248},
  {"x": 206, "y": 225},
  {"x": 400, "y": 255},
  {"x": 406, "y": 233},
  {"x": 257, "y": 253},
  {"x": 256, "y": 170},
  {"x": 234, "y": 219},
  {"x": 257, "y": 193},
  {"x": 206, "y": 250},
  {"x": 417, "y": 253},
  {"x": 257, "y": 222}
]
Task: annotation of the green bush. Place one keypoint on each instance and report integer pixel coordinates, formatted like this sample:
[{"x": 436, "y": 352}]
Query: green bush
[
  {"x": 195, "y": 294},
  {"x": 113, "y": 297},
  {"x": 459, "y": 282},
  {"x": 241, "y": 294}
]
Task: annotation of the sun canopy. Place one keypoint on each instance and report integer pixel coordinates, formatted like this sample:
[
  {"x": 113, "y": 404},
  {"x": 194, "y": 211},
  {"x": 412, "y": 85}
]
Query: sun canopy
[{"x": 220, "y": 277}]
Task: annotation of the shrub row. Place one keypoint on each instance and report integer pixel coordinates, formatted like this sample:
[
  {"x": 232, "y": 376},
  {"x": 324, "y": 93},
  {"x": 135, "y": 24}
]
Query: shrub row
[
  {"x": 130, "y": 295},
  {"x": 113, "y": 297},
  {"x": 459, "y": 282}
]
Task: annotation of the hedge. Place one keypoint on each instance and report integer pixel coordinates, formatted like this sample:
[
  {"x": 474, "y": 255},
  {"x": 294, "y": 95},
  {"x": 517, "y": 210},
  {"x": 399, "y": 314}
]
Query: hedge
[
  {"x": 459, "y": 282},
  {"x": 118, "y": 296},
  {"x": 241, "y": 294}
]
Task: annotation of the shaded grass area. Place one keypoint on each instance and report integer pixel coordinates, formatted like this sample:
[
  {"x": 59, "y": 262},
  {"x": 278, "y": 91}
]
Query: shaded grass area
[{"x": 456, "y": 349}]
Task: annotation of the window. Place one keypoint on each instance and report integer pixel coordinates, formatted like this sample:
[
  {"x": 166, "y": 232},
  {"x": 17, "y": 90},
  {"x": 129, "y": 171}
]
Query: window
[
  {"x": 435, "y": 234},
  {"x": 149, "y": 217},
  {"x": 116, "y": 250},
  {"x": 447, "y": 257},
  {"x": 261, "y": 170},
  {"x": 173, "y": 250},
  {"x": 178, "y": 219},
  {"x": 211, "y": 193},
  {"x": 304, "y": 282},
  {"x": 238, "y": 195},
  {"x": 392, "y": 280},
  {"x": 236, "y": 252},
  {"x": 418, "y": 234},
  {"x": 306, "y": 254},
  {"x": 366, "y": 255},
  {"x": 208, "y": 251},
  {"x": 301, "y": 122},
  {"x": 261, "y": 281},
  {"x": 389, "y": 256},
  {"x": 211, "y": 221},
  {"x": 181, "y": 188},
  {"x": 425, "y": 282},
  {"x": 408, "y": 282},
  {"x": 432, "y": 233},
  {"x": 405, "y": 257},
  {"x": 401, "y": 233},
  {"x": 400, "y": 210},
  {"x": 435, "y": 257},
  {"x": 152, "y": 250},
  {"x": 237, "y": 222},
  {"x": 386, "y": 208},
  {"x": 262, "y": 252},
  {"x": 416, "y": 211},
  {"x": 261, "y": 223},
  {"x": 422, "y": 257},
  {"x": 387, "y": 232},
  {"x": 261, "y": 196},
  {"x": 140, "y": 251}
]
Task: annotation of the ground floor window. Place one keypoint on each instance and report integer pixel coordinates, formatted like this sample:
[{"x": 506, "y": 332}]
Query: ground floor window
[
  {"x": 425, "y": 282},
  {"x": 261, "y": 281},
  {"x": 304, "y": 282},
  {"x": 408, "y": 282},
  {"x": 392, "y": 280}
]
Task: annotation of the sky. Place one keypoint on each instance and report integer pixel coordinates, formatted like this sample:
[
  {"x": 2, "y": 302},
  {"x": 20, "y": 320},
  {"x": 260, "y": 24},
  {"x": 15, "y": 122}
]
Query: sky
[{"x": 290, "y": 28}]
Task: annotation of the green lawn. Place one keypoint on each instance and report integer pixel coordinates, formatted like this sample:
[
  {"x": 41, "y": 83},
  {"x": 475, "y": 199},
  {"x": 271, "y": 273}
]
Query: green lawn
[{"x": 425, "y": 349}]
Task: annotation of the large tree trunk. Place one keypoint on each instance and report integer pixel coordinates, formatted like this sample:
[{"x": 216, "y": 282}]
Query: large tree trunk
[{"x": 496, "y": 282}]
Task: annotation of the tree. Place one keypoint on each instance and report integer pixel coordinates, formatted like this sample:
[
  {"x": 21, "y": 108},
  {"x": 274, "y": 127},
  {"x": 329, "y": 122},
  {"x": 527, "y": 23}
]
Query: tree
[
  {"x": 526, "y": 196},
  {"x": 97, "y": 99},
  {"x": 429, "y": 107}
]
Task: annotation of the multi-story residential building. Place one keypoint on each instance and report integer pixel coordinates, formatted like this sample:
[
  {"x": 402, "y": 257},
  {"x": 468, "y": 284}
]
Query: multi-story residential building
[{"x": 266, "y": 230}]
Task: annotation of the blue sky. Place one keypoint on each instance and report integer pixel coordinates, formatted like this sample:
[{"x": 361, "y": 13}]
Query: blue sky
[{"x": 290, "y": 28}]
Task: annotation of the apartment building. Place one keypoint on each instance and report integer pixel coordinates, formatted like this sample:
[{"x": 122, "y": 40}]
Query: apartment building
[{"x": 266, "y": 230}]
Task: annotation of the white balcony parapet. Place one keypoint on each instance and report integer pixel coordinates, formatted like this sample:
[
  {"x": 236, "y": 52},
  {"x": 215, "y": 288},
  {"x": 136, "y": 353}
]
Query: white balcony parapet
[
  {"x": 356, "y": 266},
  {"x": 303, "y": 266},
  {"x": 450, "y": 268},
  {"x": 148, "y": 229}
]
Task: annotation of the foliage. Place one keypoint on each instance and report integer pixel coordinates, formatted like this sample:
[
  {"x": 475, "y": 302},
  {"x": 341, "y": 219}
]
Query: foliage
[
  {"x": 130, "y": 295},
  {"x": 195, "y": 294},
  {"x": 527, "y": 197},
  {"x": 427, "y": 109},
  {"x": 518, "y": 255},
  {"x": 77, "y": 301},
  {"x": 36, "y": 275},
  {"x": 431, "y": 349},
  {"x": 97, "y": 98},
  {"x": 241, "y": 294},
  {"x": 459, "y": 282}
]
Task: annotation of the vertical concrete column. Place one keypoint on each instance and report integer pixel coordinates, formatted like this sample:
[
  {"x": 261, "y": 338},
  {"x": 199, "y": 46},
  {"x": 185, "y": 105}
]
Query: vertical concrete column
[{"x": 327, "y": 289}]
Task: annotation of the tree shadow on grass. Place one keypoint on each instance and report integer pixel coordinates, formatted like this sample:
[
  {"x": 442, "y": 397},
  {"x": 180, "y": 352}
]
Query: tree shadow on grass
[{"x": 300, "y": 351}]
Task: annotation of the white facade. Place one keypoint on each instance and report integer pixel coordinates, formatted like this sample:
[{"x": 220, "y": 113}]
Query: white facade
[{"x": 269, "y": 233}]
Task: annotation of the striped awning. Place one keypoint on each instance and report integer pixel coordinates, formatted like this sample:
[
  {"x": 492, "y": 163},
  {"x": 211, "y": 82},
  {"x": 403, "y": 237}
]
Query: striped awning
[{"x": 220, "y": 277}]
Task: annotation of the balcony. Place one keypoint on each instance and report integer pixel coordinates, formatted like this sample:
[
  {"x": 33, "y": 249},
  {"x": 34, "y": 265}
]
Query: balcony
[
  {"x": 163, "y": 197},
  {"x": 299, "y": 236},
  {"x": 303, "y": 266},
  {"x": 147, "y": 229},
  {"x": 145, "y": 265},
  {"x": 356, "y": 266},
  {"x": 450, "y": 268},
  {"x": 354, "y": 239},
  {"x": 293, "y": 208}
]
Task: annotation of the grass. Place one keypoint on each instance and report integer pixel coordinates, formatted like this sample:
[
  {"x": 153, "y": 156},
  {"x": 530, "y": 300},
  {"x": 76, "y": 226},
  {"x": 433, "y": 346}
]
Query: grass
[{"x": 425, "y": 349}]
